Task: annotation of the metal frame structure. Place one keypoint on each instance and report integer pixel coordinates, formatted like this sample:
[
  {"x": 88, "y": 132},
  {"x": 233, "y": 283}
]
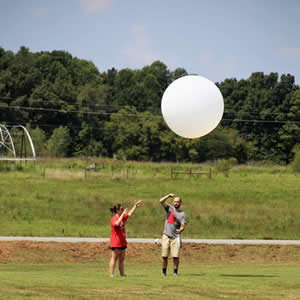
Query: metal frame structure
[{"x": 7, "y": 144}]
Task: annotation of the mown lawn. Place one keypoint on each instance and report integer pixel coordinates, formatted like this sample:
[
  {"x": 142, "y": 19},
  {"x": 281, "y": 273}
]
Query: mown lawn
[{"x": 196, "y": 281}]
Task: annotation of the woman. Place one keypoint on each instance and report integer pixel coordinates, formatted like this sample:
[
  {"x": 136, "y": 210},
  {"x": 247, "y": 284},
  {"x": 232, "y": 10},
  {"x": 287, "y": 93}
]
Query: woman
[{"x": 118, "y": 241}]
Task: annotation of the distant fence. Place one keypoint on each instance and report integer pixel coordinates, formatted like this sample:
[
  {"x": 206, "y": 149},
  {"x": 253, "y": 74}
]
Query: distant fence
[
  {"x": 83, "y": 173},
  {"x": 93, "y": 171},
  {"x": 191, "y": 173}
]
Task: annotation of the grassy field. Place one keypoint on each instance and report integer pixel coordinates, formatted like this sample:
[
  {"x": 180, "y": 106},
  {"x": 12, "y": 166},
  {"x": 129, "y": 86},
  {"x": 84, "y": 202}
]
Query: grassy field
[
  {"x": 52, "y": 199},
  {"x": 85, "y": 281},
  {"x": 80, "y": 271}
]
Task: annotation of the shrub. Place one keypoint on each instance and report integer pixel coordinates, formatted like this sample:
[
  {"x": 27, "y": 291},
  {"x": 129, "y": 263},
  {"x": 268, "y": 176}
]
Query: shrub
[
  {"x": 295, "y": 165},
  {"x": 4, "y": 166},
  {"x": 224, "y": 165}
]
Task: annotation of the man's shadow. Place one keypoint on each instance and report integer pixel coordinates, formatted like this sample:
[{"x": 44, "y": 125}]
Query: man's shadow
[{"x": 247, "y": 275}]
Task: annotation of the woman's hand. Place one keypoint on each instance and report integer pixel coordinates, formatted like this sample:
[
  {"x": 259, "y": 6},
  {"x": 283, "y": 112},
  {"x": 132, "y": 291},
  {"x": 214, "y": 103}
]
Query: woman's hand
[{"x": 138, "y": 203}]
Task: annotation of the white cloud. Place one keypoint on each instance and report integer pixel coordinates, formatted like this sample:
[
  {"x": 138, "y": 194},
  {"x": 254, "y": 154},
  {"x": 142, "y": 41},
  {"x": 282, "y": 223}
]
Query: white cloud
[
  {"x": 140, "y": 53},
  {"x": 92, "y": 6},
  {"x": 290, "y": 53}
]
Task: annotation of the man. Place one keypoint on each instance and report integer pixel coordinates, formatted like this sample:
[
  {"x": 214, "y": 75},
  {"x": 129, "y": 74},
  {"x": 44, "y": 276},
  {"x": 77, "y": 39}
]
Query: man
[{"x": 174, "y": 225}]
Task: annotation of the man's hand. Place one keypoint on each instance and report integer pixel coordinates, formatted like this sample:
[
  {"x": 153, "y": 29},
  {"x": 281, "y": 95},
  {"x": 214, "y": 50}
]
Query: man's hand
[{"x": 181, "y": 228}]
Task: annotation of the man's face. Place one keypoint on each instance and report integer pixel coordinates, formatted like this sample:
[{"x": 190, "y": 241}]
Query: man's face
[{"x": 177, "y": 202}]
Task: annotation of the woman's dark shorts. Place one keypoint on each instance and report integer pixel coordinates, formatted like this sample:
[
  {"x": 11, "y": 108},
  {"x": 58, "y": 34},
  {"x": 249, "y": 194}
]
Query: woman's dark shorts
[{"x": 119, "y": 248}]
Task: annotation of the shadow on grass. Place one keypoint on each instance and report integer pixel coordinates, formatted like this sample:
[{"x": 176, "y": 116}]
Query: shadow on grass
[{"x": 247, "y": 275}]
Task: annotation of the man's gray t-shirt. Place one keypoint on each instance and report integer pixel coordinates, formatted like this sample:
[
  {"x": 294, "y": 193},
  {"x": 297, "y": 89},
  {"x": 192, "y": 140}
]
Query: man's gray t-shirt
[{"x": 173, "y": 221}]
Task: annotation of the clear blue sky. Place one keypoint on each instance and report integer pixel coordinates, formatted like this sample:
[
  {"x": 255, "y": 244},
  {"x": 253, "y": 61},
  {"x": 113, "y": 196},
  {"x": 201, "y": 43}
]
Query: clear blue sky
[{"x": 216, "y": 39}]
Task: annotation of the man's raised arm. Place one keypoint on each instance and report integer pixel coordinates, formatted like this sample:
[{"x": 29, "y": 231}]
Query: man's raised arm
[{"x": 164, "y": 199}]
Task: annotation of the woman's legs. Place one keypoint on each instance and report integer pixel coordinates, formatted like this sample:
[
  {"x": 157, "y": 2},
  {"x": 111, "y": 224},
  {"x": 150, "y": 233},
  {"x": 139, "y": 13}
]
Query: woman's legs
[
  {"x": 115, "y": 254},
  {"x": 121, "y": 261}
]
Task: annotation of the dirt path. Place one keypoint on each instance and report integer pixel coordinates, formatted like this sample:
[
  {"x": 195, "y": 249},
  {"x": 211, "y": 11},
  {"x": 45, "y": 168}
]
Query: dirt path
[
  {"x": 150, "y": 241},
  {"x": 34, "y": 252}
]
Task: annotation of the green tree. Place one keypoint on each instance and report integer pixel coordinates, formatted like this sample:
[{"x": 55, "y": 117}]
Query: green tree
[
  {"x": 256, "y": 107},
  {"x": 126, "y": 134},
  {"x": 39, "y": 140},
  {"x": 59, "y": 142},
  {"x": 90, "y": 140},
  {"x": 177, "y": 73}
]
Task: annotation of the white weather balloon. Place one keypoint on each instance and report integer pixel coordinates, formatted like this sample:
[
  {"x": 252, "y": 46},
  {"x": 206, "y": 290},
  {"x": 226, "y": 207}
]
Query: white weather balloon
[{"x": 192, "y": 106}]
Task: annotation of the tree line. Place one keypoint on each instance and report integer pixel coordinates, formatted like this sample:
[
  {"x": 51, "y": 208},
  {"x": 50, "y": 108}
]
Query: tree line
[{"x": 73, "y": 109}]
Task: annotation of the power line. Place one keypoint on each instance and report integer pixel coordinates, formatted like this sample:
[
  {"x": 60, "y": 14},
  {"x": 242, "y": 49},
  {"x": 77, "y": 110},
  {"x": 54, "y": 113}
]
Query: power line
[
  {"x": 74, "y": 111},
  {"x": 262, "y": 121},
  {"x": 108, "y": 106},
  {"x": 107, "y": 129},
  {"x": 134, "y": 115},
  {"x": 98, "y": 105}
]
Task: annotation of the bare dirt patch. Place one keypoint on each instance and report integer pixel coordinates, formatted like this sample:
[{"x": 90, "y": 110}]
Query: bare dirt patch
[{"x": 51, "y": 252}]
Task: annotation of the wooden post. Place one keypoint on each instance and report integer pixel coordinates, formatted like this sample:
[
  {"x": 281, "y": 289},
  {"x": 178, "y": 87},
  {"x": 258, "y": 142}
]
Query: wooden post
[
  {"x": 209, "y": 173},
  {"x": 44, "y": 172},
  {"x": 171, "y": 173},
  {"x": 25, "y": 148},
  {"x": 191, "y": 173},
  {"x": 127, "y": 173},
  {"x": 85, "y": 174},
  {"x": 22, "y": 141}
]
